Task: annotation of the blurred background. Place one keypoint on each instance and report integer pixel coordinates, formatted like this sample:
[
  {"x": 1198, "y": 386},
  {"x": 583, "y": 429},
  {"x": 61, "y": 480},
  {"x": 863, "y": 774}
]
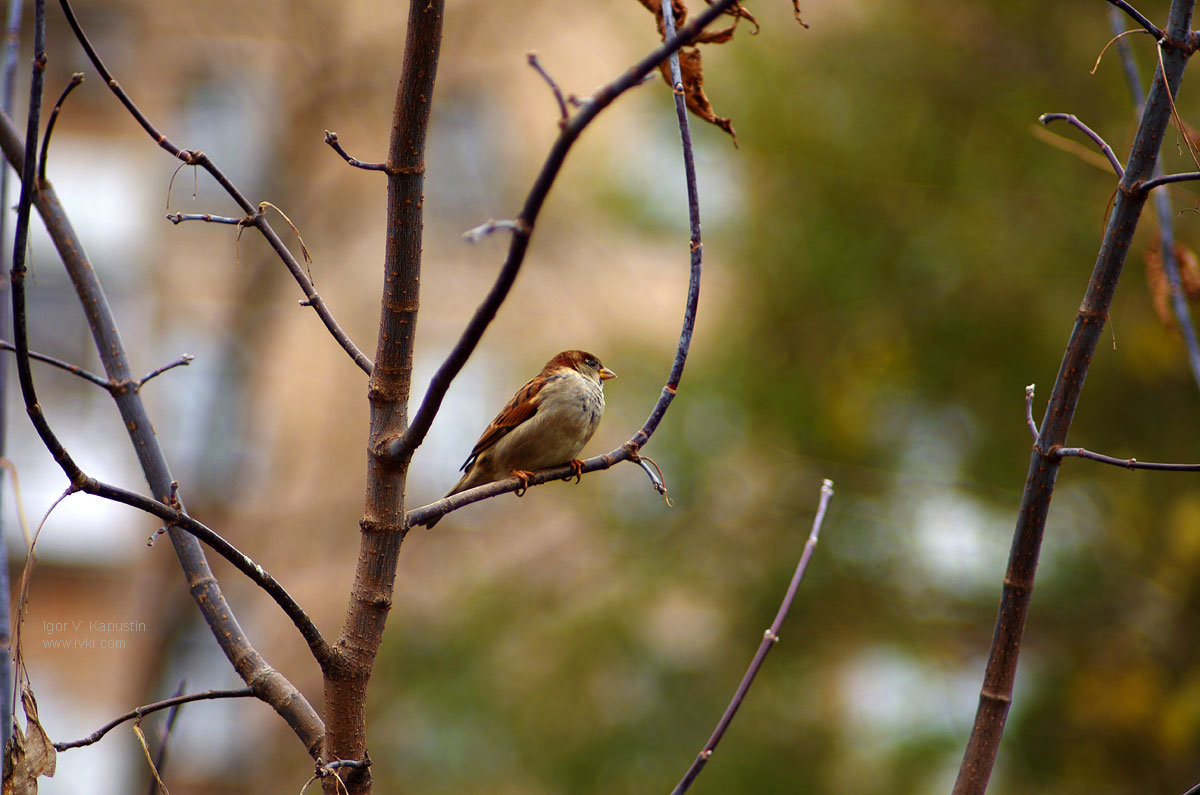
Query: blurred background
[{"x": 891, "y": 255}]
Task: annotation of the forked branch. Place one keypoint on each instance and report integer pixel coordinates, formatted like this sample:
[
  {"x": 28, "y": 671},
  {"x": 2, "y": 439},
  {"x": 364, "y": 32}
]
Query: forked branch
[
  {"x": 527, "y": 219},
  {"x": 198, "y": 158},
  {"x": 996, "y": 693}
]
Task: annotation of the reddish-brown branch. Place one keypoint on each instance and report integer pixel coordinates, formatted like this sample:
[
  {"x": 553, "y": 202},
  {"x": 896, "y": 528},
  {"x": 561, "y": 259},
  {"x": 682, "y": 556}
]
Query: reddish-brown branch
[{"x": 388, "y": 393}]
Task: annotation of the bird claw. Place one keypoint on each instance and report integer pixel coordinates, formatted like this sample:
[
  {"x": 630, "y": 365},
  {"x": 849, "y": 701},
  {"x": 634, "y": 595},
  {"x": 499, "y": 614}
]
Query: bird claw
[
  {"x": 523, "y": 476},
  {"x": 576, "y": 470}
]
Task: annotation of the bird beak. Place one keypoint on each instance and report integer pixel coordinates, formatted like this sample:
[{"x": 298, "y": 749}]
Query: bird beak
[{"x": 606, "y": 374}]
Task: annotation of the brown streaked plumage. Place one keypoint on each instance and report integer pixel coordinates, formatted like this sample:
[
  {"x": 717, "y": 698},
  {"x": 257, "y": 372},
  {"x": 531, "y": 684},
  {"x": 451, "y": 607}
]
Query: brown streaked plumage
[{"x": 546, "y": 423}]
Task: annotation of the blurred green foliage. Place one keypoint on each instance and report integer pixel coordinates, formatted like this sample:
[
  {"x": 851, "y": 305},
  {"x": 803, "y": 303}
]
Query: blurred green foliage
[{"x": 905, "y": 256}]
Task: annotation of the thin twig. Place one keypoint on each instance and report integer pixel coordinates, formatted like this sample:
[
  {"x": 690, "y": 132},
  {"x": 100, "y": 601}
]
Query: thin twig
[
  {"x": 76, "y": 79},
  {"x": 200, "y": 159},
  {"x": 1169, "y": 179},
  {"x": 564, "y": 115},
  {"x": 60, "y": 364},
  {"x": 770, "y": 638},
  {"x": 478, "y": 233},
  {"x": 331, "y": 138},
  {"x": 457, "y": 358},
  {"x": 1029, "y": 411},
  {"x": 1071, "y": 119},
  {"x": 1124, "y": 463},
  {"x": 142, "y": 711},
  {"x": 182, "y": 361},
  {"x": 178, "y": 218},
  {"x": 1139, "y": 18}
]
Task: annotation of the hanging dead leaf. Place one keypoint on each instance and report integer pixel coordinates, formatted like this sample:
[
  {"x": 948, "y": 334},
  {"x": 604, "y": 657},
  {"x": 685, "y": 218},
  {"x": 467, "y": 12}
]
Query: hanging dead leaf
[
  {"x": 693, "y": 90},
  {"x": 1160, "y": 291},
  {"x": 1189, "y": 270},
  {"x": 689, "y": 59},
  {"x": 27, "y": 756}
]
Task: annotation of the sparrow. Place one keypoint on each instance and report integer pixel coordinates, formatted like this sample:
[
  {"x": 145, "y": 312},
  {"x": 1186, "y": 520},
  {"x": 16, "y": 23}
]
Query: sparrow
[{"x": 545, "y": 424}]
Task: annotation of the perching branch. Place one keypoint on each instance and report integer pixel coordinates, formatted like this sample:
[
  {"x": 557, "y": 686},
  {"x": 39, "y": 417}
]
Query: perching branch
[
  {"x": 483, "y": 316},
  {"x": 770, "y": 638},
  {"x": 996, "y": 693},
  {"x": 198, "y": 158},
  {"x": 143, "y": 711},
  {"x": 454, "y": 362}
]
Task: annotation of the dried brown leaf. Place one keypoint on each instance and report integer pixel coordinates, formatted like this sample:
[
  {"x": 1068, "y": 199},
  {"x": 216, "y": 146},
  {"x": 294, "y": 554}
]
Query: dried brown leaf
[
  {"x": 1189, "y": 270},
  {"x": 689, "y": 58},
  {"x": 38, "y": 748},
  {"x": 27, "y": 756},
  {"x": 693, "y": 90},
  {"x": 1160, "y": 290}
]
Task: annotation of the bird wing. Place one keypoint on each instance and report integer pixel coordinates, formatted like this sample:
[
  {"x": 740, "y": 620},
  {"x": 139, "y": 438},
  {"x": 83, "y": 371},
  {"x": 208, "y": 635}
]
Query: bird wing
[{"x": 523, "y": 405}]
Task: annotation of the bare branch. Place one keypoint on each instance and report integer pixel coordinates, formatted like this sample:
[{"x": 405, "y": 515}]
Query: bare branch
[
  {"x": 1125, "y": 463},
  {"x": 564, "y": 116},
  {"x": 995, "y": 695},
  {"x": 483, "y": 316},
  {"x": 1071, "y": 119},
  {"x": 178, "y": 218},
  {"x": 269, "y": 684},
  {"x": 143, "y": 711},
  {"x": 770, "y": 638},
  {"x": 171, "y": 512},
  {"x": 198, "y": 158},
  {"x": 182, "y": 361},
  {"x": 1169, "y": 179},
  {"x": 1139, "y": 18},
  {"x": 76, "y": 79},
  {"x": 60, "y": 364},
  {"x": 332, "y": 139}
]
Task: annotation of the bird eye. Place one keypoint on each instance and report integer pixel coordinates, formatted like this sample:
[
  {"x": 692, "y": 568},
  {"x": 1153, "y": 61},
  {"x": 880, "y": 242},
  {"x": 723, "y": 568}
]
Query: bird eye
[{"x": 593, "y": 363}]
